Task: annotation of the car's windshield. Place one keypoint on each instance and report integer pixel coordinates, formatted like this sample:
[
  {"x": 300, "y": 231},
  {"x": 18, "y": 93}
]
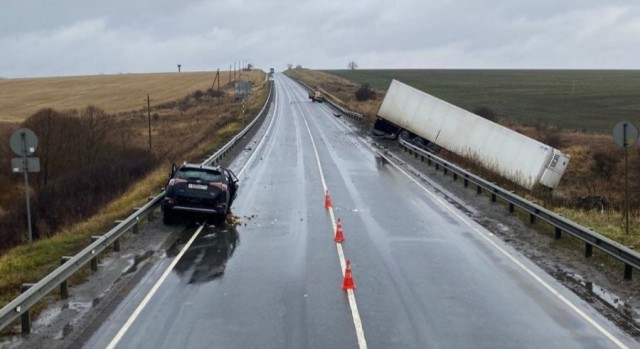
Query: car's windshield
[{"x": 203, "y": 175}]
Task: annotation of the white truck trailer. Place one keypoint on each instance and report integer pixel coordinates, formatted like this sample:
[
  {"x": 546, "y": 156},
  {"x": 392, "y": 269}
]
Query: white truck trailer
[{"x": 431, "y": 121}]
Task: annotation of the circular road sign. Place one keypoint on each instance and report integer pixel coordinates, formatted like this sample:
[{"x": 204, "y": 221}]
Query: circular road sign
[
  {"x": 625, "y": 134},
  {"x": 23, "y": 142}
]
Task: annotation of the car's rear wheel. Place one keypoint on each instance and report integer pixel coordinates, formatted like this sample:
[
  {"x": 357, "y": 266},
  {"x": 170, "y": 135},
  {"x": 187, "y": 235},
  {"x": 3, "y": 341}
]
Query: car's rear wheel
[{"x": 168, "y": 217}]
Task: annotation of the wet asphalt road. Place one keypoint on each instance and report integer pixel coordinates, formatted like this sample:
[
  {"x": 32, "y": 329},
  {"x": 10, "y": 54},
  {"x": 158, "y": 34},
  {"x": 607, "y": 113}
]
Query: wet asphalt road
[{"x": 427, "y": 276}]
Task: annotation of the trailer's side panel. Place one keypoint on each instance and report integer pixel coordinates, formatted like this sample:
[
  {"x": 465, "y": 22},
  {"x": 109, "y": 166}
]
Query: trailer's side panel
[{"x": 508, "y": 153}]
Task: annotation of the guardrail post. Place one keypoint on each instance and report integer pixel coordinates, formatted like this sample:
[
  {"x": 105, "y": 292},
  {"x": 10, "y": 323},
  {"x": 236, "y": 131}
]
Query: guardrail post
[
  {"x": 94, "y": 260},
  {"x": 150, "y": 215},
  {"x": 532, "y": 218},
  {"x": 116, "y": 244},
  {"x": 466, "y": 181},
  {"x": 135, "y": 227},
  {"x": 588, "y": 250},
  {"x": 455, "y": 176},
  {"x": 494, "y": 198},
  {"x": 512, "y": 208},
  {"x": 558, "y": 233},
  {"x": 446, "y": 170},
  {"x": 422, "y": 158},
  {"x": 437, "y": 166},
  {"x": 416, "y": 154},
  {"x": 64, "y": 286},
  {"x": 478, "y": 189},
  {"x": 26, "y": 317},
  {"x": 429, "y": 161},
  {"x": 627, "y": 271}
]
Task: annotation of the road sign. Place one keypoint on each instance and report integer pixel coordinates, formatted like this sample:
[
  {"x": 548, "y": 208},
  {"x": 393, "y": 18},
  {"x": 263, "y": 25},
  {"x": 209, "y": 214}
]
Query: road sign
[
  {"x": 23, "y": 142},
  {"x": 18, "y": 165},
  {"x": 625, "y": 134}
]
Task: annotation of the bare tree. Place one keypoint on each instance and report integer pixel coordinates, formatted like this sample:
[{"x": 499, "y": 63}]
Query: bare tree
[
  {"x": 289, "y": 66},
  {"x": 56, "y": 140},
  {"x": 352, "y": 65},
  {"x": 96, "y": 125}
]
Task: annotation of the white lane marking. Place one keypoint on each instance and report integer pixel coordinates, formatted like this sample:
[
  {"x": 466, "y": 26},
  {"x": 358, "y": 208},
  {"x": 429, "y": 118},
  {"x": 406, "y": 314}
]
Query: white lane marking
[
  {"x": 513, "y": 259},
  {"x": 273, "y": 117},
  {"x": 154, "y": 289},
  {"x": 553, "y": 291},
  {"x": 357, "y": 322}
]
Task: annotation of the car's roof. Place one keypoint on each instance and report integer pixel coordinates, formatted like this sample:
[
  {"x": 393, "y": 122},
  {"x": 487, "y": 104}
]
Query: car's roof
[{"x": 201, "y": 167}]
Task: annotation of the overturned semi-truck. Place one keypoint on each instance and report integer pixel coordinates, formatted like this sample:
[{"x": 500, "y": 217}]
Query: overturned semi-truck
[{"x": 434, "y": 124}]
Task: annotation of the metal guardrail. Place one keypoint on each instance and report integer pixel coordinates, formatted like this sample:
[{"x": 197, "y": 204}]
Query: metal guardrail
[
  {"x": 32, "y": 293},
  {"x": 630, "y": 258},
  {"x": 352, "y": 115}
]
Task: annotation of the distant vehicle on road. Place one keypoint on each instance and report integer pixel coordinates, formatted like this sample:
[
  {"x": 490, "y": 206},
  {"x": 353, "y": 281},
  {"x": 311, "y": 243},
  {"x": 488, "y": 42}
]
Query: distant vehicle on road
[
  {"x": 195, "y": 191},
  {"x": 316, "y": 96}
]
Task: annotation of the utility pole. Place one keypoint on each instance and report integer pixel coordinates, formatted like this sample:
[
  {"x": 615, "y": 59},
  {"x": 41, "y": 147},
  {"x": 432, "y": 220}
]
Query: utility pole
[
  {"x": 149, "y": 117},
  {"x": 229, "y": 74}
]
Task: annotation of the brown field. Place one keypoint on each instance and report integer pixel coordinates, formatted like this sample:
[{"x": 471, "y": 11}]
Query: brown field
[
  {"x": 20, "y": 98},
  {"x": 184, "y": 127}
]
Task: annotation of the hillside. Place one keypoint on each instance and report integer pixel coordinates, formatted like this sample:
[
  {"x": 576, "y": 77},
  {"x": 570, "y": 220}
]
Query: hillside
[{"x": 20, "y": 98}]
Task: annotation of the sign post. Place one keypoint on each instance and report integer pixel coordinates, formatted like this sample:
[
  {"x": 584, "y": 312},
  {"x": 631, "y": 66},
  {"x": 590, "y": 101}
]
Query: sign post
[
  {"x": 24, "y": 142},
  {"x": 625, "y": 135}
]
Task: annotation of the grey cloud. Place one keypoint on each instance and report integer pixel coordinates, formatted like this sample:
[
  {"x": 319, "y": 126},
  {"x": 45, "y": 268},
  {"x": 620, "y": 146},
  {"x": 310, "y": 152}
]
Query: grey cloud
[{"x": 70, "y": 37}]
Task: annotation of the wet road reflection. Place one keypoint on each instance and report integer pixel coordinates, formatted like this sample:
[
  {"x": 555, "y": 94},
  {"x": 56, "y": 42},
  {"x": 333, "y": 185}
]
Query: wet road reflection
[{"x": 207, "y": 257}]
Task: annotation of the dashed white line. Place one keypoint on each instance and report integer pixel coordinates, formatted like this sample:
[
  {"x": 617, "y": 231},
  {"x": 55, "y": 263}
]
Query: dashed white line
[{"x": 357, "y": 322}]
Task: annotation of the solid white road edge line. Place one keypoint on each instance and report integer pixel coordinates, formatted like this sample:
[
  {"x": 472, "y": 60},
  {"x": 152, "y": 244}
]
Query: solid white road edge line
[
  {"x": 154, "y": 289},
  {"x": 553, "y": 291},
  {"x": 266, "y": 132},
  {"x": 537, "y": 278},
  {"x": 357, "y": 322}
]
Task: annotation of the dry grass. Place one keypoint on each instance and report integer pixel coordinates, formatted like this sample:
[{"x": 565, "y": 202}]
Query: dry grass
[
  {"x": 20, "y": 98},
  {"x": 578, "y": 181},
  {"x": 190, "y": 134}
]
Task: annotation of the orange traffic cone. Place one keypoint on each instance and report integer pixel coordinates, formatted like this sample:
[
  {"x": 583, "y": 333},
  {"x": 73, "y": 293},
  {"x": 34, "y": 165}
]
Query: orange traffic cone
[
  {"x": 339, "y": 234},
  {"x": 327, "y": 200},
  {"x": 347, "y": 283}
]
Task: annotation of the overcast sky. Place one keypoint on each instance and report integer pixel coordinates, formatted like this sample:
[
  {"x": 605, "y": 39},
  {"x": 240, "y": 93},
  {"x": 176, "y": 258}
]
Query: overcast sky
[{"x": 80, "y": 37}]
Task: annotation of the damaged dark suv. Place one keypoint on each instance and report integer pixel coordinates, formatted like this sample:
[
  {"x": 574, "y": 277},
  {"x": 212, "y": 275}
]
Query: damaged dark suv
[{"x": 197, "y": 191}]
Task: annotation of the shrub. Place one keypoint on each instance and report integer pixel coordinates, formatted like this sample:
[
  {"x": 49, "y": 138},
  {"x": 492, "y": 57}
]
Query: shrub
[
  {"x": 197, "y": 95},
  {"x": 604, "y": 164},
  {"x": 215, "y": 93},
  {"x": 486, "y": 113},
  {"x": 365, "y": 93},
  {"x": 551, "y": 138}
]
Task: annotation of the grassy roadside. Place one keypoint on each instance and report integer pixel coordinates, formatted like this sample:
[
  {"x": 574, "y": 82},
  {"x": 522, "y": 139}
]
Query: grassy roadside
[
  {"x": 21, "y": 265},
  {"x": 577, "y": 181}
]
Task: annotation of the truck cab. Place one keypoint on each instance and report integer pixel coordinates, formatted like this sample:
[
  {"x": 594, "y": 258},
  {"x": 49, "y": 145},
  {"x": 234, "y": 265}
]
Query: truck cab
[{"x": 316, "y": 96}]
